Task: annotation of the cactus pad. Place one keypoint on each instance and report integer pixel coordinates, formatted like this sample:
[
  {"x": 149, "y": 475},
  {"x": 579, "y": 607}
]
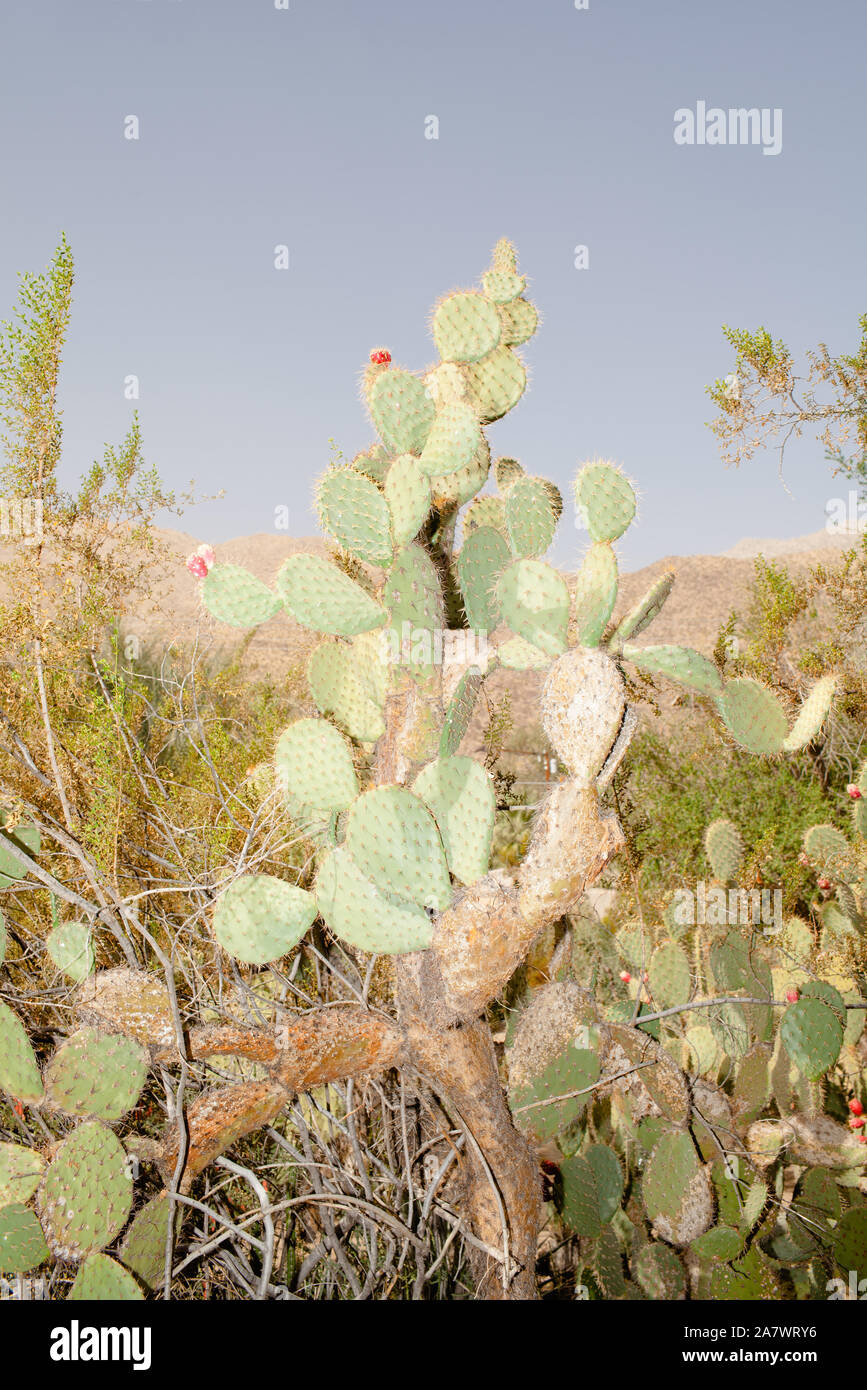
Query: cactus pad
[
  {"x": 501, "y": 286},
  {"x": 401, "y": 410},
  {"x": 667, "y": 1176},
  {"x": 680, "y": 664},
  {"x": 70, "y": 946},
  {"x": 102, "y": 1280},
  {"x": 465, "y": 327},
  {"x": 232, "y": 595},
  {"x": 85, "y": 1196},
  {"x": 23, "y": 837},
  {"x": 518, "y": 655},
  {"x": 393, "y": 839},
  {"x": 314, "y": 769},
  {"x": 812, "y": 1035},
  {"x": 96, "y": 1075},
  {"x": 812, "y": 715},
  {"x": 374, "y": 463},
  {"x": 530, "y": 518},
  {"x": 581, "y": 1213},
  {"x": 605, "y": 500},
  {"x": 595, "y": 594},
  {"x": 460, "y": 712},
  {"x": 659, "y": 1272},
  {"x": 339, "y": 689},
  {"x": 831, "y": 851},
  {"x": 143, "y": 1249},
  {"x": 359, "y": 914},
  {"x": 753, "y": 715},
  {"x": 413, "y": 597},
  {"x": 496, "y": 383},
  {"x": 459, "y": 794},
  {"x": 535, "y": 1106},
  {"x": 670, "y": 976},
  {"x": 534, "y": 601},
  {"x": 453, "y": 489},
  {"x": 483, "y": 557},
  {"x": 19, "y": 1073},
  {"x": 260, "y": 918},
  {"x": 454, "y": 440},
  {"x": 20, "y": 1171},
  {"x": 644, "y": 612},
  {"x": 583, "y": 702},
  {"x": 408, "y": 494},
  {"x": 322, "y": 597},
  {"x": 22, "y": 1244},
  {"x": 354, "y": 511},
  {"x": 724, "y": 848}
]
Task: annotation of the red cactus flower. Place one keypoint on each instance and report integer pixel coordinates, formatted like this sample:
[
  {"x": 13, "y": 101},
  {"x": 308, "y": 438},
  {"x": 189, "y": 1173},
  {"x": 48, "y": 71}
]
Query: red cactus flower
[
  {"x": 380, "y": 356},
  {"x": 549, "y": 1167},
  {"x": 824, "y": 884},
  {"x": 625, "y": 976},
  {"x": 791, "y": 996},
  {"x": 856, "y": 1107},
  {"x": 207, "y": 554},
  {"x": 854, "y": 791},
  {"x": 197, "y": 566},
  {"x": 18, "y": 1108}
]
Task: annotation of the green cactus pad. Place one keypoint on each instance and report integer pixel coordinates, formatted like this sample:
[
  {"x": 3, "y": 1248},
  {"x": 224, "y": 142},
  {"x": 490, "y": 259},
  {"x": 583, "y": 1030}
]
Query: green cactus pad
[
  {"x": 370, "y": 655},
  {"x": 20, "y": 1172},
  {"x": 353, "y": 510},
  {"x": 19, "y": 1073},
  {"x": 831, "y": 852},
  {"x": 609, "y": 1179},
  {"x": 812, "y": 1035},
  {"x": 85, "y": 1196},
  {"x": 22, "y": 837},
  {"x": 502, "y": 286},
  {"x": 812, "y": 715},
  {"x": 102, "y": 1280},
  {"x": 143, "y": 1249},
  {"x": 724, "y": 848},
  {"x": 339, "y": 689},
  {"x": 644, "y": 612},
  {"x": 460, "y": 712},
  {"x": 393, "y": 839},
  {"x": 605, "y": 500},
  {"x": 3, "y": 938},
  {"x": 580, "y": 1198},
  {"x": 459, "y": 794},
  {"x": 595, "y": 594},
  {"x": 22, "y": 1244},
  {"x": 359, "y": 914},
  {"x": 314, "y": 768},
  {"x": 519, "y": 319},
  {"x": 401, "y": 410},
  {"x": 670, "y": 976},
  {"x": 96, "y": 1075},
  {"x": 506, "y": 472},
  {"x": 660, "y": 1273},
  {"x": 530, "y": 519},
  {"x": 518, "y": 655},
  {"x": 465, "y": 327},
  {"x": 485, "y": 511},
  {"x": 232, "y": 595},
  {"x": 70, "y": 946},
  {"x": 374, "y": 463},
  {"x": 753, "y": 715},
  {"x": 720, "y": 1243},
  {"x": 322, "y": 597},
  {"x": 454, "y": 489},
  {"x": 408, "y": 494},
  {"x": 413, "y": 597},
  {"x": 533, "y": 1105},
  {"x": 670, "y": 1169},
  {"x": 850, "y": 1242},
  {"x": 483, "y": 557},
  {"x": 534, "y": 601},
  {"x": 454, "y": 441},
  {"x": 680, "y": 664},
  {"x": 260, "y": 918},
  {"x": 496, "y": 383}
]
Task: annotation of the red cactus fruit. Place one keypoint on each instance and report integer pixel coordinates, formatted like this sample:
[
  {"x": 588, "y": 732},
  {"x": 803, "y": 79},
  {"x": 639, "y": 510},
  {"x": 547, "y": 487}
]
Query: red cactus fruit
[
  {"x": 197, "y": 566},
  {"x": 380, "y": 356},
  {"x": 854, "y": 791},
  {"x": 856, "y": 1122},
  {"x": 791, "y": 996},
  {"x": 824, "y": 883},
  {"x": 855, "y": 1106},
  {"x": 625, "y": 976}
]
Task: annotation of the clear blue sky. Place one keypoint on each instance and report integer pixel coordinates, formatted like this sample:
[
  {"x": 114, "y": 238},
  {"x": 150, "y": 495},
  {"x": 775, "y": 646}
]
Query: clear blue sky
[{"x": 306, "y": 127}]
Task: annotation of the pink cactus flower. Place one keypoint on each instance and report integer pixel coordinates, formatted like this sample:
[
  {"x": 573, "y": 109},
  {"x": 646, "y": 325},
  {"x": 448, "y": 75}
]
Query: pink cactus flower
[
  {"x": 625, "y": 976},
  {"x": 854, "y": 791},
  {"x": 197, "y": 566},
  {"x": 207, "y": 554},
  {"x": 792, "y": 996}
]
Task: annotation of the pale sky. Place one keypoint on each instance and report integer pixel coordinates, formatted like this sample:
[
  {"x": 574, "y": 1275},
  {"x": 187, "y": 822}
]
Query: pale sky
[{"x": 306, "y": 126}]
